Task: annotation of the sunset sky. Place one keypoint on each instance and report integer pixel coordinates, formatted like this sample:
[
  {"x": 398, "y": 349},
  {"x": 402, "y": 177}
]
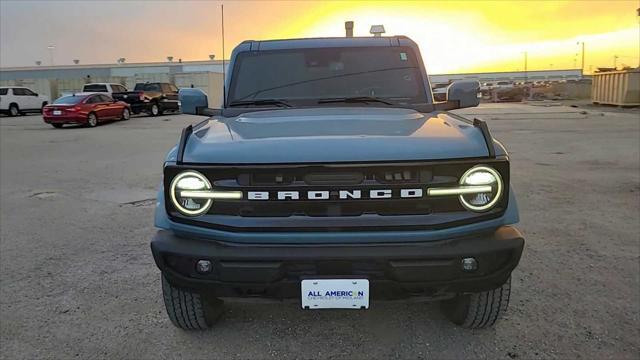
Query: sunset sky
[{"x": 454, "y": 36}]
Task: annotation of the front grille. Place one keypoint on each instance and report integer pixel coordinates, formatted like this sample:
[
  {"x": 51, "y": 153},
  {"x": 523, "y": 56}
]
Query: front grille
[{"x": 332, "y": 179}]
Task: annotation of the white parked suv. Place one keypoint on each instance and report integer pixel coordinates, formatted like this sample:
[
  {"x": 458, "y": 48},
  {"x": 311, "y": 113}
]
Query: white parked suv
[
  {"x": 104, "y": 88},
  {"x": 16, "y": 100}
]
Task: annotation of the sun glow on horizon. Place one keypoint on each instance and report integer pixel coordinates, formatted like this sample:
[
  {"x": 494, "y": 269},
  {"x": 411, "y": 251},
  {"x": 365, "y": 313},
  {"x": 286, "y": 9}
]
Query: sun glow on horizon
[
  {"x": 458, "y": 37},
  {"x": 454, "y": 36}
]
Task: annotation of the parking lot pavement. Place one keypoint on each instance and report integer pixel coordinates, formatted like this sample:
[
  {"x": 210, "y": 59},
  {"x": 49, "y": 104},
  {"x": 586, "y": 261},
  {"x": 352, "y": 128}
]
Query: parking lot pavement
[{"x": 77, "y": 278}]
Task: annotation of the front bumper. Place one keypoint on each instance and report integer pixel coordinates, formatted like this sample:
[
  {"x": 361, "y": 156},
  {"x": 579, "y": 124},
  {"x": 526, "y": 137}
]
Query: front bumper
[{"x": 430, "y": 270}]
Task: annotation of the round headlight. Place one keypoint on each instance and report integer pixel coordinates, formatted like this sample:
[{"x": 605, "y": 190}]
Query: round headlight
[
  {"x": 190, "y": 181},
  {"x": 481, "y": 176}
]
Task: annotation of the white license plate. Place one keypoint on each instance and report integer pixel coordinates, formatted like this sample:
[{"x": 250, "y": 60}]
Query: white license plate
[
  {"x": 57, "y": 112},
  {"x": 335, "y": 294}
]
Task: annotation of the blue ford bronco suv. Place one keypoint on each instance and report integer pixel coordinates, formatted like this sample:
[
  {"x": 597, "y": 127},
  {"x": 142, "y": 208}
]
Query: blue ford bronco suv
[{"x": 331, "y": 177}]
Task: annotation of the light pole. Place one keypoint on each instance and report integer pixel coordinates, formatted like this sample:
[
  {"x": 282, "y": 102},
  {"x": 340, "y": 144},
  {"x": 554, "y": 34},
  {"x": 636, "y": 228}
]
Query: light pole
[
  {"x": 638, "y": 12},
  {"x": 615, "y": 62},
  {"x": 525, "y": 66},
  {"x": 51, "y": 48},
  {"x": 581, "y": 64}
]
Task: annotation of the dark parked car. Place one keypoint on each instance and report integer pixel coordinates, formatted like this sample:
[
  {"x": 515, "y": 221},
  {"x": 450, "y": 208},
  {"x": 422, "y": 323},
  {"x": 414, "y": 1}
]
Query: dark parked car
[
  {"x": 152, "y": 98},
  {"x": 85, "y": 109},
  {"x": 331, "y": 176}
]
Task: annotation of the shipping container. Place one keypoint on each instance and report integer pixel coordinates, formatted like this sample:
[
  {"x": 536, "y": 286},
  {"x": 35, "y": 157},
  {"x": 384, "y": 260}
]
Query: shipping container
[{"x": 620, "y": 88}]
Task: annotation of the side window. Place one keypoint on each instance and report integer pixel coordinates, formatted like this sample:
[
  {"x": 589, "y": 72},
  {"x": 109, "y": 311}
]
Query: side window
[
  {"x": 119, "y": 88},
  {"x": 173, "y": 88},
  {"x": 105, "y": 98},
  {"x": 29, "y": 92},
  {"x": 4, "y": 91},
  {"x": 93, "y": 100},
  {"x": 165, "y": 88},
  {"x": 18, "y": 92}
]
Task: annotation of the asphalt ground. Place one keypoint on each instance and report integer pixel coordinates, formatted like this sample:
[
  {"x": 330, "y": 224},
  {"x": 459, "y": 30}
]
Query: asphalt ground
[{"x": 77, "y": 279}]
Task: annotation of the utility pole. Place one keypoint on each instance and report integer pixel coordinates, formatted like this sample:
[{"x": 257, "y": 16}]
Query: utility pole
[
  {"x": 582, "y": 63},
  {"x": 525, "y": 66},
  {"x": 615, "y": 62},
  {"x": 51, "y": 48}
]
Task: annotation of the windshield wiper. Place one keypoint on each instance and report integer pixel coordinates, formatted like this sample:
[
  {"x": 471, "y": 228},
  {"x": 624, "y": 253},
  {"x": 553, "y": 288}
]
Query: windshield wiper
[
  {"x": 355, "y": 99},
  {"x": 260, "y": 102}
]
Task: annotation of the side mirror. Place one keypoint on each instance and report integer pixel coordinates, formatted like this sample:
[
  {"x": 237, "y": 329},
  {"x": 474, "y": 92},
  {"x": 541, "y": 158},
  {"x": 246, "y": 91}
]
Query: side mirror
[
  {"x": 461, "y": 94},
  {"x": 191, "y": 99}
]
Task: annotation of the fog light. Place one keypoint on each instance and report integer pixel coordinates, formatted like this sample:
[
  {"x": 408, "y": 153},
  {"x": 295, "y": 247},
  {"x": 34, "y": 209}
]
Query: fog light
[
  {"x": 203, "y": 266},
  {"x": 469, "y": 264}
]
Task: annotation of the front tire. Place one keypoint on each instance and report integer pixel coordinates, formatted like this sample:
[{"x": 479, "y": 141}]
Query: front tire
[
  {"x": 188, "y": 310},
  {"x": 57, "y": 126},
  {"x": 14, "y": 110},
  {"x": 92, "y": 120},
  {"x": 126, "y": 114},
  {"x": 155, "y": 110},
  {"x": 478, "y": 310}
]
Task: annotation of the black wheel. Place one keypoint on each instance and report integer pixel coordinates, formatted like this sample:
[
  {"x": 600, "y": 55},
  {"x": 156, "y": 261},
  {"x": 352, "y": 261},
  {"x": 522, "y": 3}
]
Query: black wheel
[
  {"x": 57, "y": 126},
  {"x": 478, "y": 310},
  {"x": 14, "y": 110},
  {"x": 155, "y": 110},
  {"x": 126, "y": 114},
  {"x": 189, "y": 310},
  {"x": 44, "y": 103},
  {"x": 92, "y": 120}
]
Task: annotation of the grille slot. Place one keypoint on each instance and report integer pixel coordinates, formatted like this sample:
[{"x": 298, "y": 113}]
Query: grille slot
[{"x": 334, "y": 178}]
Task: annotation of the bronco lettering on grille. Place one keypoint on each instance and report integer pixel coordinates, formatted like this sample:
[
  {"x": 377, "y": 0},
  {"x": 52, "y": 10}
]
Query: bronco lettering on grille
[{"x": 341, "y": 194}]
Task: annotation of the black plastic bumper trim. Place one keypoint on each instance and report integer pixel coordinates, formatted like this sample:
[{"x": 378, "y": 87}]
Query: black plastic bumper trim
[{"x": 255, "y": 270}]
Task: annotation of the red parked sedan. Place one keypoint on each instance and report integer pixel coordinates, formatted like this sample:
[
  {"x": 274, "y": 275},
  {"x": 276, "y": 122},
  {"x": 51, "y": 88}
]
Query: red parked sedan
[{"x": 86, "y": 109}]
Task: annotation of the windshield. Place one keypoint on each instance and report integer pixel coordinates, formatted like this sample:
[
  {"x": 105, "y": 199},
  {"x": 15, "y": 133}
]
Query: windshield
[
  {"x": 95, "y": 88},
  {"x": 68, "y": 100},
  {"x": 293, "y": 75}
]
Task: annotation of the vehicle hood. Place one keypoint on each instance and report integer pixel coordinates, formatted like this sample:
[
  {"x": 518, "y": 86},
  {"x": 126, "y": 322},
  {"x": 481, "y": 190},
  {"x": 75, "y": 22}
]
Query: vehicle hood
[{"x": 338, "y": 134}]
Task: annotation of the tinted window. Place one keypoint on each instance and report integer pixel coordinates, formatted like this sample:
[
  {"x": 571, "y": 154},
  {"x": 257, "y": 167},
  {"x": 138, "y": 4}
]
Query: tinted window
[
  {"x": 19, "y": 92},
  {"x": 173, "y": 88},
  {"x": 3, "y": 91},
  {"x": 93, "y": 100},
  {"x": 308, "y": 74},
  {"x": 95, "y": 88},
  {"x": 68, "y": 100},
  {"x": 105, "y": 98}
]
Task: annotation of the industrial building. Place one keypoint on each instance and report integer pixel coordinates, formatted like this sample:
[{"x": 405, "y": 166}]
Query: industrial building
[
  {"x": 54, "y": 81},
  {"x": 536, "y": 75},
  {"x": 206, "y": 75}
]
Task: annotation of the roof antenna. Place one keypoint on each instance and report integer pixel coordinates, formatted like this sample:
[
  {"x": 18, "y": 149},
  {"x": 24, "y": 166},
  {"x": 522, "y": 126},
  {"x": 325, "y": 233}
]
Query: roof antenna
[{"x": 224, "y": 77}]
